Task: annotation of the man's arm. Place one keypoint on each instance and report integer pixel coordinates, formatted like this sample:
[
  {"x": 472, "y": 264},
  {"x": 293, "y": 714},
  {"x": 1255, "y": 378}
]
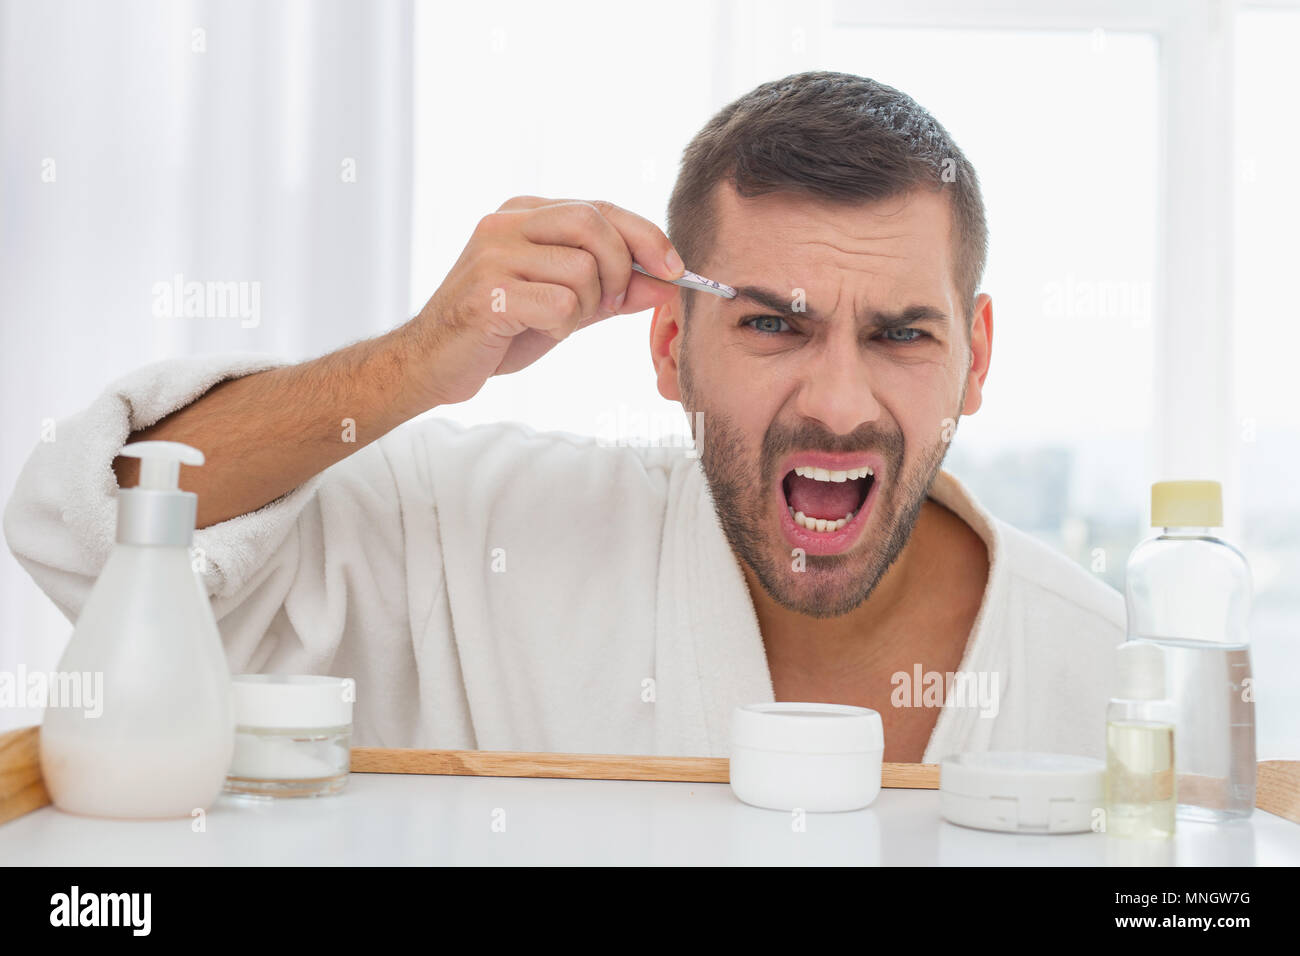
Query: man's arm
[
  {"x": 264, "y": 434},
  {"x": 532, "y": 273}
]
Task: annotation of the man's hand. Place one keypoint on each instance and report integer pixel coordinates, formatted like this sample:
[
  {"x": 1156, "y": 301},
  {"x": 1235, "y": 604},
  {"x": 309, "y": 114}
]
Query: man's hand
[{"x": 534, "y": 272}]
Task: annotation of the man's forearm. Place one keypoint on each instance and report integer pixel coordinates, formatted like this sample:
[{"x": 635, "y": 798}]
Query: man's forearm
[{"x": 266, "y": 433}]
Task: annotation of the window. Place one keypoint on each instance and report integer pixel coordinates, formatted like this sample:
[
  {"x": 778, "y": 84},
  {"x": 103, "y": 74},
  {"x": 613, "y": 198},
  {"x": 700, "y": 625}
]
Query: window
[{"x": 1267, "y": 350}]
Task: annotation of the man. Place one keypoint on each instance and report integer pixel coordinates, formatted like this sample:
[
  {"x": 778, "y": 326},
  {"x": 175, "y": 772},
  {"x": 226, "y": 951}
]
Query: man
[{"x": 497, "y": 588}]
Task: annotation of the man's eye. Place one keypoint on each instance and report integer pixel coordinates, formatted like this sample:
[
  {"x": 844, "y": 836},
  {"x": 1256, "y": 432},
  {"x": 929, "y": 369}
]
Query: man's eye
[
  {"x": 904, "y": 335},
  {"x": 768, "y": 324}
]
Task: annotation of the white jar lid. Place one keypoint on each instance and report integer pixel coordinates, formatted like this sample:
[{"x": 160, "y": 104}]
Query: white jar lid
[
  {"x": 807, "y": 728},
  {"x": 292, "y": 701},
  {"x": 1021, "y": 792}
]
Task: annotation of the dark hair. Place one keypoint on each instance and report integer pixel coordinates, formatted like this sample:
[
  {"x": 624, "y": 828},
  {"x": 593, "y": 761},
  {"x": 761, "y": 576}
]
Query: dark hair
[{"x": 835, "y": 136}]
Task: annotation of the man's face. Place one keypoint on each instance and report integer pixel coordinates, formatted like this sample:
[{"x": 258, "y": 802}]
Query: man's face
[{"x": 844, "y": 351}]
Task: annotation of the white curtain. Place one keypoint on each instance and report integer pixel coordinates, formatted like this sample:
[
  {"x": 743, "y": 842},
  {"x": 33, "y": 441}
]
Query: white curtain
[{"x": 265, "y": 144}]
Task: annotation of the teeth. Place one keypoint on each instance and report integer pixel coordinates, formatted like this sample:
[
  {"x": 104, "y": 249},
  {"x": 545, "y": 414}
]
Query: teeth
[
  {"x": 819, "y": 524},
  {"x": 821, "y": 474}
]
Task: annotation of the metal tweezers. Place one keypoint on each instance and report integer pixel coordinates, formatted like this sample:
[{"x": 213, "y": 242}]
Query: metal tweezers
[{"x": 689, "y": 280}]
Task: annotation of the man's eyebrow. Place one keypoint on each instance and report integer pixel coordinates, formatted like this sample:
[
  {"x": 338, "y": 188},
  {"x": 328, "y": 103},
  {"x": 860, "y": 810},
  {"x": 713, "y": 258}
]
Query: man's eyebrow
[
  {"x": 877, "y": 318},
  {"x": 912, "y": 315},
  {"x": 769, "y": 299}
]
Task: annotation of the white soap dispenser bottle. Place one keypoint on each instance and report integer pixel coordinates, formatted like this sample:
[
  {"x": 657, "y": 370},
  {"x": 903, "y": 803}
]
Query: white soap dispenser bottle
[{"x": 154, "y": 731}]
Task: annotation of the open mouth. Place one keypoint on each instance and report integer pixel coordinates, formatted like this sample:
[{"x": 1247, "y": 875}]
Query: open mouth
[{"x": 823, "y": 501}]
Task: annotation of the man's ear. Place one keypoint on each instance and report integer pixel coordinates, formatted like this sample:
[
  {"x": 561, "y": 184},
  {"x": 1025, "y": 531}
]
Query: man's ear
[
  {"x": 665, "y": 345},
  {"x": 981, "y": 352}
]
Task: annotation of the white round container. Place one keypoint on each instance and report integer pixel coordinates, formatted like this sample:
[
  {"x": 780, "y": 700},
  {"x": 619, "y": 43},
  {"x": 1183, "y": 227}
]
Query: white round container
[
  {"x": 814, "y": 757},
  {"x": 293, "y": 735},
  {"x": 1021, "y": 792}
]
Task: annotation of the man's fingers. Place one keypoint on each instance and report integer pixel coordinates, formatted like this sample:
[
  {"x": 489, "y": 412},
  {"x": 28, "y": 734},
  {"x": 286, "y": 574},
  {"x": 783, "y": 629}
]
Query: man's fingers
[
  {"x": 613, "y": 237},
  {"x": 551, "y": 266},
  {"x": 581, "y": 225},
  {"x": 567, "y": 266},
  {"x": 546, "y": 307},
  {"x": 646, "y": 293},
  {"x": 647, "y": 242}
]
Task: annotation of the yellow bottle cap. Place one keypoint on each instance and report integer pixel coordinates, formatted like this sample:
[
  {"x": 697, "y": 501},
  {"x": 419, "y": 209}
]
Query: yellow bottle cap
[{"x": 1186, "y": 504}]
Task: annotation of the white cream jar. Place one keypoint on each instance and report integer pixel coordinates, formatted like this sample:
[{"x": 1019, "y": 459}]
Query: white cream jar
[
  {"x": 293, "y": 735},
  {"x": 814, "y": 757}
]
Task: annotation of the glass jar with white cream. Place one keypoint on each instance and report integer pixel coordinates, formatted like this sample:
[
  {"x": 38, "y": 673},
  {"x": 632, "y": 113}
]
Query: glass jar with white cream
[{"x": 293, "y": 735}]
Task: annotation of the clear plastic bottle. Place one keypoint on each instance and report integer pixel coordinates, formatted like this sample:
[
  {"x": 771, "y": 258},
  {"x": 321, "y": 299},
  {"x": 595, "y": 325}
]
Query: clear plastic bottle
[
  {"x": 1189, "y": 591},
  {"x": 1140, "y": 751}
]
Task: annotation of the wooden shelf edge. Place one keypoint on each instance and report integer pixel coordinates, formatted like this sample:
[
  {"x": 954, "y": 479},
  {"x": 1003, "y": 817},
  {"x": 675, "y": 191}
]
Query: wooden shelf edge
[
  {"x": 500, "y": 763},
  {"x": 22, "y": 789}
]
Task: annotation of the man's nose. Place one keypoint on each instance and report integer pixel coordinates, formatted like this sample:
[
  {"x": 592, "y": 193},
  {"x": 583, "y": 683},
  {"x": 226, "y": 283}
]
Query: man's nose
[{"x": 838, "y": 389}]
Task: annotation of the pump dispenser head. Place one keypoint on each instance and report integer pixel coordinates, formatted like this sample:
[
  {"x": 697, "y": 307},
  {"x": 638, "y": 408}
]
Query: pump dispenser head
[
  {"x": 160, "y": 462},
  {"x": 156, "y": 511}
]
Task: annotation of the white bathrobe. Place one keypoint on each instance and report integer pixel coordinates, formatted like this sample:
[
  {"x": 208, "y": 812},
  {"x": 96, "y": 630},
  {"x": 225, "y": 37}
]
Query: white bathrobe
[{"x": 503, "y": 589}]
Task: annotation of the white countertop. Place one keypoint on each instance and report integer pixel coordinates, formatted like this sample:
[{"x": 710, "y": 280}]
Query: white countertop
[{"x": 393, "y": 819}]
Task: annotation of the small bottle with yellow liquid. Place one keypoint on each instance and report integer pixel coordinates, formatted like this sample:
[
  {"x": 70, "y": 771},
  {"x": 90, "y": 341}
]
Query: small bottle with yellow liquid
[{"x": 1141, "y": 798}]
